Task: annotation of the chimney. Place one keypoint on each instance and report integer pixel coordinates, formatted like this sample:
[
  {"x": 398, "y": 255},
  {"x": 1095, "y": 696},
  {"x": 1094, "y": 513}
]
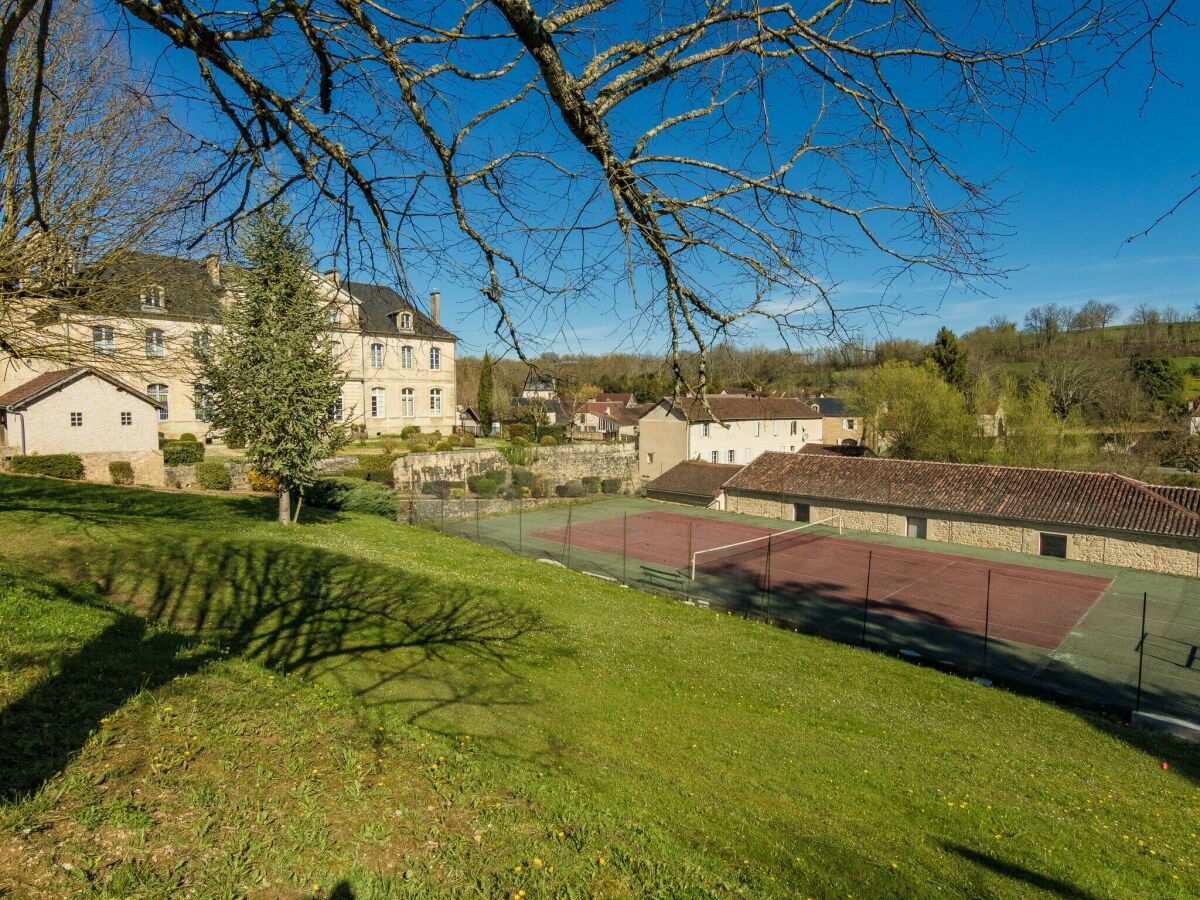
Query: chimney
[
  {"x": 333, "y": 276},
  {"x": 212, "y": 262},
  {"x": 435, "y": 307}
]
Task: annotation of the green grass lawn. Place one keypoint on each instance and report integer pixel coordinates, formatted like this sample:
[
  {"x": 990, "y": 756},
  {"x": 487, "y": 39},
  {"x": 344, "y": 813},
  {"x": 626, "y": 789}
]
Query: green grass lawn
[{"x": 196, "y": 699}]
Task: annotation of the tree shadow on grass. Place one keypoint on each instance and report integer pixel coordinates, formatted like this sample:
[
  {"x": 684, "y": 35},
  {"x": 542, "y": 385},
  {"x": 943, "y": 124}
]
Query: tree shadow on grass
[
  {"x": 388, "y": 637},
  {"x": 1017, "y": 872}
]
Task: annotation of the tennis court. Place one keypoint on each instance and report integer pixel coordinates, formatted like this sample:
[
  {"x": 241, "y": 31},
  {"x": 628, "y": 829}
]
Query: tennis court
[
  {"x": 1016, "y": 603},
  {"x": 1114, "y": 637}
]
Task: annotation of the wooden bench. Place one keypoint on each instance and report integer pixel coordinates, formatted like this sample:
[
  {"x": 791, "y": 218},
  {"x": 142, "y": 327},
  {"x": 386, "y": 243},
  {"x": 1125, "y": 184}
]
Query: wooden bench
[{"x": 671, "y": 579}]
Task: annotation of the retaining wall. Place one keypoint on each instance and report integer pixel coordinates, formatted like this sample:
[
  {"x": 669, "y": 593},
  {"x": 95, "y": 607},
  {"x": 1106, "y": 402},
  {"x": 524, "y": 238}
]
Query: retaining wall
[{"x": 558, "y": 465}]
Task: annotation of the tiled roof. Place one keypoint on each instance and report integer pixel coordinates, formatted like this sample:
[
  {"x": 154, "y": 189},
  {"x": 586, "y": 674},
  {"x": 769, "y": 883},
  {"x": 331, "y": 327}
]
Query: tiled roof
[
  {"x": 726, "y": 408},
  {"x": 614, "y": 398},
  {"x": 1187, "y": 497},
  {"x": 1047, "y": 496},
  {"x": 835, "y": 449},
  {"x": 694, "y": 479},
  {"x": 34, "y": 389}
]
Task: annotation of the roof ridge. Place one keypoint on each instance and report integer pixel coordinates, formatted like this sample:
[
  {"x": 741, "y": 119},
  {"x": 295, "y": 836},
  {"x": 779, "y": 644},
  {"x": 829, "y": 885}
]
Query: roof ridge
[
  {"x": 1146, "y": 489},
  {"x": 938, "y": 462}
]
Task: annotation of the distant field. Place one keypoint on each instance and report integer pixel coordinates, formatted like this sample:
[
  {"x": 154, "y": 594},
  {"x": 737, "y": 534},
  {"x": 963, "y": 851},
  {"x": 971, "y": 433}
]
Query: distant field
[{"x": 194, "y": 700}]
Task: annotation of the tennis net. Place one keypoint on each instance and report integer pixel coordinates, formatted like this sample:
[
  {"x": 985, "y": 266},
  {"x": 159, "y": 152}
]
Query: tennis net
[{"x": 716, "y": 560}]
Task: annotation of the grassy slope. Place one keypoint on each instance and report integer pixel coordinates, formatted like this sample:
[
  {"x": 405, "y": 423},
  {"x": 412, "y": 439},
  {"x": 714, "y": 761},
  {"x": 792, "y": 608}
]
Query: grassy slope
[{"x": 695, "y": 751}]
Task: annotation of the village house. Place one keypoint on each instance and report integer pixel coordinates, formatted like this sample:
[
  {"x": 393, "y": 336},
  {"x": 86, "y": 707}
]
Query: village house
[
  {"x": 84, "y": 412},
  {"x": 838, "y": 426},
  {"x": 733, "y": 429},
  {"x": 1192, "y": 418},
  {"x": 398, "y": 360},
  {"x": 612, "y": 420},
  {"x": 1096, "y": 517}
]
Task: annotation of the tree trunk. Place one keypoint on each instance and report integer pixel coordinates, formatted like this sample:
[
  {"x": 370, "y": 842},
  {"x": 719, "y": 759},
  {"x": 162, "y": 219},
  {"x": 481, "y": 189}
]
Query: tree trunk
[
  {"x": 299, "y": 504},
  {"x": 285, "y": 507}
]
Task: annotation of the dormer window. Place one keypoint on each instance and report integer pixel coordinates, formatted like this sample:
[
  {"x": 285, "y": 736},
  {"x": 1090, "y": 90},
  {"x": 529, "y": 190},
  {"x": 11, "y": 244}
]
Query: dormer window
[
  {"x": 406, "y": 321},
  {"x": 152, "y": 297}
]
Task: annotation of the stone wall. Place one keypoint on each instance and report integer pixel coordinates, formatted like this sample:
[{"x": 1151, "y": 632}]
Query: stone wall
[
  {"x": 423, "y": 511},
  {"x": 558, "y": 465},
  {"x": 147, "y": 466},
  {"x": 1153, "y": 553},
  {"x": 239, "y": 472}
]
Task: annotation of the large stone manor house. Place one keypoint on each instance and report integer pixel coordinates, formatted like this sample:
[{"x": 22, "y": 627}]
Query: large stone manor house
[{"x": 399, "y": 361}]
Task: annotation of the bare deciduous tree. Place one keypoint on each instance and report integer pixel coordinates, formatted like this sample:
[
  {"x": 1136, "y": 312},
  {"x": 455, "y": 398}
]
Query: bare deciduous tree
[
  {"x": 90, "y": 171},
  {"x": 718, "y": 154}
]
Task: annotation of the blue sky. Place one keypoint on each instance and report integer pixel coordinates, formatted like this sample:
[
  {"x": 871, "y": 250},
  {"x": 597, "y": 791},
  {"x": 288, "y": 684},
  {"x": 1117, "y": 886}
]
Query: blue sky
[{"x": 1081, "y": 182}]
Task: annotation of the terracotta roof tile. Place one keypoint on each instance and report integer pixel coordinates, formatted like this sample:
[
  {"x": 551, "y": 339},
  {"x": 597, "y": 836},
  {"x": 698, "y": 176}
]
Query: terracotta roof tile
[
  {"x": 693, "y": 478},
  {"x": 1048, "y": 496}
]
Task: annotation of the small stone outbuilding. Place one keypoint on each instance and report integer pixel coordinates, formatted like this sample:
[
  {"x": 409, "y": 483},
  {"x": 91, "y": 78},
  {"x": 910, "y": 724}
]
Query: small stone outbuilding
[{"x": 88, "y": 413}]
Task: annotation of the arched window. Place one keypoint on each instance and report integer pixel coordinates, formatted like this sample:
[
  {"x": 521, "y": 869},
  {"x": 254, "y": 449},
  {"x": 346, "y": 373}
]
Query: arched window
[
  {"x": 156, "y": 343},
  {"x": 435, "y": 402},
  {"x": 377, "y": 356},
  {"x": 406, "y": 321},
  {"x": 102, "y": 340},
  {"x": 159, "y": 392},
  {"x": 406, "y": 358},
  {"x": 408, "y": 402},
  {"x": 378, "y": 403},
  {"x": 435, "y": 358}
]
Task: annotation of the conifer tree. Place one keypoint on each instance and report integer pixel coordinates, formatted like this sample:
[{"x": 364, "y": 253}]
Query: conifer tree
[
  {"x": 271, "y": 377},
  {"x": 950, "y": 359},
  {"x": 485, "y": 400}
]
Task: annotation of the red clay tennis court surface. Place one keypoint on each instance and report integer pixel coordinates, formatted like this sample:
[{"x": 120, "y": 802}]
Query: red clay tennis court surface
[{"x": 1025, "y": 604}]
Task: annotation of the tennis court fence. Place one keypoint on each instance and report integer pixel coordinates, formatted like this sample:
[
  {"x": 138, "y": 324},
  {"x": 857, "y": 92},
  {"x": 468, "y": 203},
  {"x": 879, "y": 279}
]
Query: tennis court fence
[{"x": 1055, "y": 633}]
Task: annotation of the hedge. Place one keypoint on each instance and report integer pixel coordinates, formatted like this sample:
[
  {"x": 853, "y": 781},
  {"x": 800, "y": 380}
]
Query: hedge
[
  {"x": 121, "y": 472},
  {"x": 352, "y": 496},
  {"x": 591, "y": 483},
  {"x": 519, "y": 431},
  {"x": 548, "y": 441},
  {"x": 522, "y": 477},
  {"x": 377, "y": 477},
  {"x": 182, "y": 453},
  {"x": 466, "y": 440},
  {"x": 443, "y": 446},
  {"x": 576, "y": 489},
  {"x": 487, "y": 489},
  {"x": 540, "y": 488},
  {"x": 56, "y": 465},
  {"x": 213, "y": 476},
  {"x": 408, "y": 431},
  {"x": 610, "y": 485},
  {"x": 187, "y": 438},
  {"x": 560, "y": 490},
  {"x": 380, "y": 463}
]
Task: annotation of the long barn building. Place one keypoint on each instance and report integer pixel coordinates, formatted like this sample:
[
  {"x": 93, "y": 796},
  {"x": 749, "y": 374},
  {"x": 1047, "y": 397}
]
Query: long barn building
[{"x": 1096, "y": 517}]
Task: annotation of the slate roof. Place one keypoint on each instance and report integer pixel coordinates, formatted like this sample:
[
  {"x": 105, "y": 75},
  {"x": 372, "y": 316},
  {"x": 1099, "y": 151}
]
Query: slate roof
[
  {"x": 1048, "y": 496},
  {"x": 733, "y": 408},
  {"x": 829, "y": 406},
  {"x": 694, "y": 478},
  {"x": 189, "y": 294},
  {"x": 36, "y": 388},
  {"x": 378, "y": 302}
]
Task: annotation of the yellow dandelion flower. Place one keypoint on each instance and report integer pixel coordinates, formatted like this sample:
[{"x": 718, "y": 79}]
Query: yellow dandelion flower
[{"x": 537, "y": 861}]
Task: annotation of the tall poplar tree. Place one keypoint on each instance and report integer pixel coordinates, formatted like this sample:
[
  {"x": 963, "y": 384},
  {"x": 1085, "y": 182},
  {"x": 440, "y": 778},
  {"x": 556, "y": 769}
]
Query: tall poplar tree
[
  {"x": 271, "y": 377},
  {"x": 485, "y": 400}
]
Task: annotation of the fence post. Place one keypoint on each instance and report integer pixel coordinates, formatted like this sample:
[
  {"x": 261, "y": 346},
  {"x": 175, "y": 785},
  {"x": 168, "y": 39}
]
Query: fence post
[
  {"x": 625, "y": 550},
  {"x": 867, "y": 596},
  {"x": 478, "y": 503},
  {"x": 1137, "y": 706},
  {"x": 443, "y": 528},
  {"x": 767, "y": 580},
  {"x": 520, "y": 526},
  {"x": 987, "y": 620},
  {"x": 567, "y": 543},
  {"x": 690, "y": 548}
]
